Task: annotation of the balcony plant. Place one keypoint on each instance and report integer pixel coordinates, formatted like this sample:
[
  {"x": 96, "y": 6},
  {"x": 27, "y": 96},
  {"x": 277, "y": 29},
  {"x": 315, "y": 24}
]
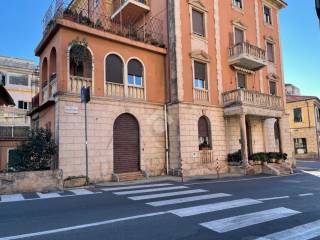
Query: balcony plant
[
  {"x": 69, "y": 14},
  {"x": 99, "y": 25}
]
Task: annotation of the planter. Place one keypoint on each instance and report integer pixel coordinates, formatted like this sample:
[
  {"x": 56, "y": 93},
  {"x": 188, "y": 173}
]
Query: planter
[
  {"x": 68, "y": 17},
  {"x": 75, "y": 182},
  {"x": 279, "y": 161},
  {"x": 204, "y": 148},
  {"x": 272, "y": 160},
  {"x": 258, "y": 162}
]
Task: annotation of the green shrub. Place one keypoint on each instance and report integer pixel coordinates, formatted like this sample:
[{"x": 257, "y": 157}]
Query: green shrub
[
  {"x": 235, "y": 157},
  {"x": 35, "y": 153},
  {"x": 261, "y": 156}
]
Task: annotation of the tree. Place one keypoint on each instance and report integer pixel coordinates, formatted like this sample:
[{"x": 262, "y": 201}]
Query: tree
[{"x": 35, "y": 153}]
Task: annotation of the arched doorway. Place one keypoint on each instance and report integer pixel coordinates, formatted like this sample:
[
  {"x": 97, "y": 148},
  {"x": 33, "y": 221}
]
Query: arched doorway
[{"x": 126, "y": 144}]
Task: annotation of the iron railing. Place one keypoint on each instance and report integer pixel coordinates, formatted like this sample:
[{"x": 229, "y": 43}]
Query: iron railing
[
  {"x": 119, "y": 3},
  {"x": 84, "y": 13}
]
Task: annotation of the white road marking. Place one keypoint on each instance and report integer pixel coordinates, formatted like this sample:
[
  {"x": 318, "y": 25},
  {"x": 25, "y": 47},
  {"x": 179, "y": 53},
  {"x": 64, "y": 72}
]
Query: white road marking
[
  {"x": 150, "y": 190},
  {"x": 314, "y": 173},
  {"x": 246, "y": 220},
  {"x": 188, "y": 199},
  {"x": 67, "y": 229},
  {"x": 169, "y": 194},
  {"x": 191, "y": 211},
  {"x": 81, "y": 191},
  {"x": 305, "y": 194},
  {"x": 12, "y": 198},
  {"x": 48, "y": 195},
  {"x": 243, "y": 179},
  {"x": 273, "y": 198},
  {"x": 136, "y": 187},
  {"x": 302, "y": 232}
]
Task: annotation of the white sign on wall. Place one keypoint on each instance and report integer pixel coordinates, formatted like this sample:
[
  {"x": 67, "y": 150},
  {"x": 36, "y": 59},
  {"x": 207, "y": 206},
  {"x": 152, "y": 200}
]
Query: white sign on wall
[{"x": 71, "y": 109}]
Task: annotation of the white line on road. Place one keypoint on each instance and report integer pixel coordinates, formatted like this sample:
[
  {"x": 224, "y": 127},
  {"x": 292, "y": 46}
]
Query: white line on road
[
  {"x": 12, "y": 198},
  {"x": 169, "y": 194},
  {"x": 136, "y": 187},
  {"x": 233, "y": 223},
  {"x": 48, "y": 195},
  {"x": 242, "y": 179},
  {"x": 150, "y": 190},
  {"x": 302, "y": 232},
  {"x": 272, "y": 198},
  {"x": 305, "y": 194},
  {"x": 81, "y": 191},
  {"x": 214, "y": 207},
  {"x": 187, "y": 199},
  {"x": 59, "y": 230}
]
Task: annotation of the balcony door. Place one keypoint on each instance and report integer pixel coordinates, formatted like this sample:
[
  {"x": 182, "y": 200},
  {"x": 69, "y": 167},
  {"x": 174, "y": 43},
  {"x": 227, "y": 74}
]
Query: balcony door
[{"x": 238, "y": 36}]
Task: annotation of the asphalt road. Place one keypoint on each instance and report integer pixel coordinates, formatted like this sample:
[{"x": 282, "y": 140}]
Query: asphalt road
[{"x": 246, "y": 208}]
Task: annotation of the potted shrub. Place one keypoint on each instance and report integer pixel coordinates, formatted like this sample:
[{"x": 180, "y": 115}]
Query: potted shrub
[
  {"x": 235, "y": 158},
  {"x": 259, "y": 158},
  {"x": 99, "y": 25},
  {"x": 69, "y": 14},
  {"x": 273, "y": 156}
]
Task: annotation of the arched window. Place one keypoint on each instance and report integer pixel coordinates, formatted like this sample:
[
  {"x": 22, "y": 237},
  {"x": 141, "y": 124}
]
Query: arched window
[
  {"x": 114, "y": 69},
  {"x": 80, "y": 61},
  {"x": 44, "y": 71},
  {"x": 53, "y": 64},
  {"x": 204, "y": 133},
  {"x": 135, "y": 73}
]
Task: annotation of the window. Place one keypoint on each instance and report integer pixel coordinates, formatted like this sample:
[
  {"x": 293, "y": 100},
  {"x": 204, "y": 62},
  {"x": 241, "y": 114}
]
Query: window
[
  {"x": 200, "y": 75},
  {"x": 114, "y": 69},
  {"x": 267, "y": 15},
  {"x": 198, "y": 23},
  {"x": 2, "y": 79},
  {"x": 297, "y": 113},
  {"x": 11, "y": 154},
  {"x": 241, "y": 80},
  {"x": 300, "y": 145},
  {"x": 270, "y": 52},
  {"x": 273, "y": 87},
  {"x": 19, "y": 80},
  {"x": 135, "y": 73},
  {"x": 80, "y": 61},
  {"x": 204, "y": 133},
  {"x": 23, "y": 105},
  {"x": 238, "y": 36},
  {"x": 237, "y": 3}
]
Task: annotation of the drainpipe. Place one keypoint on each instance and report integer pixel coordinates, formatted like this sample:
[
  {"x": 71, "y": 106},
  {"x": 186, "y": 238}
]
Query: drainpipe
[{"x": 166, "y": 136}]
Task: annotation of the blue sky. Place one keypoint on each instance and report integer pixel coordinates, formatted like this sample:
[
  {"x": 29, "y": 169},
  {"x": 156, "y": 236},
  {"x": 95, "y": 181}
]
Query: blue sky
[{"x": 21, "y": 30}]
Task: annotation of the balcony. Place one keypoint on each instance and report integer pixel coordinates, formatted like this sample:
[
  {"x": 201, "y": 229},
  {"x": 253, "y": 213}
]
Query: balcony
[
  {"x": 45, "y": 91},
  {"x": 200, "y": 95},
  {"x": 76, "y": 83},
  {"x": 247, "y": 56},
  {"x": 120, "y": 91},
  {"x": 129, "y": 11},
  {"x": 81, "y": 12},
  {"x": 53, "y": 84},
  {"x": 253, "y": 102}
]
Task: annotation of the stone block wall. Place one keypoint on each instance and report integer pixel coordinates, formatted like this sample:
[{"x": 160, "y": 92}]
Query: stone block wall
[
  {"x": 101, "y": 116},
  {"x": 233, "y": 134},
  {"x": 189, "y": 116},
  {"x": 312, "y": 145},
  {"x": 38, "y": 181}
]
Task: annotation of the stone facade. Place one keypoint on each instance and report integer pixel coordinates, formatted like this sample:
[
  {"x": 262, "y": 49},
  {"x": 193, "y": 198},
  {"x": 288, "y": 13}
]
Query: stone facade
[{"x": 101, "y": 117}]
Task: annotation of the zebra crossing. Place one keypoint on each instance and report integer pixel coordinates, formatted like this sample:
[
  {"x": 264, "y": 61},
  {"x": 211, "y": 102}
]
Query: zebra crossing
[
  {"x": 175, "y": 197},
  {"x": 41, "y": 196}
]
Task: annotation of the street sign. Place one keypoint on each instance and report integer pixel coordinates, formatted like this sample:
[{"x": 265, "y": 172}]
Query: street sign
[{"x": 85, "y": 94}]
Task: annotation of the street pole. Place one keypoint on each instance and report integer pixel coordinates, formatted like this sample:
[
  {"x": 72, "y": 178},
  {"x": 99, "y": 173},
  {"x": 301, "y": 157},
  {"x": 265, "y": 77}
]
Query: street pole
[{"x": 86, "y": 139}]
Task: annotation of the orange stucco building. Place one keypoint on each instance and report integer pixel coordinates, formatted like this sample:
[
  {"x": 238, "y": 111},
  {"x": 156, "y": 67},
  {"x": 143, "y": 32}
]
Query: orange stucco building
[{"x": 176, "y": 85}]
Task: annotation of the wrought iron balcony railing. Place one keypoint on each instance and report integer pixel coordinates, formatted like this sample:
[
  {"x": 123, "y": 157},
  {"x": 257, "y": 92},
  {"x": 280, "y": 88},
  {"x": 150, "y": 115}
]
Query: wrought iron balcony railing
[
  {"x": 82, "y": 12},
  {"x": 251, "y": 98},
  {"x": 247, "y": 56}
]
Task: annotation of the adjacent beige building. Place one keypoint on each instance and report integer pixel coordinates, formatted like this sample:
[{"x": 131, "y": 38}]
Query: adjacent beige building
[
  {"x": 304, "y": 122},
  {"x": 20, "y": 78}
]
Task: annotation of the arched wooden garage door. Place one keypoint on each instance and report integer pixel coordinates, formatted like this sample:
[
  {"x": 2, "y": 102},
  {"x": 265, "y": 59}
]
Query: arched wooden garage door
[{"x": 126, "y": 144}]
